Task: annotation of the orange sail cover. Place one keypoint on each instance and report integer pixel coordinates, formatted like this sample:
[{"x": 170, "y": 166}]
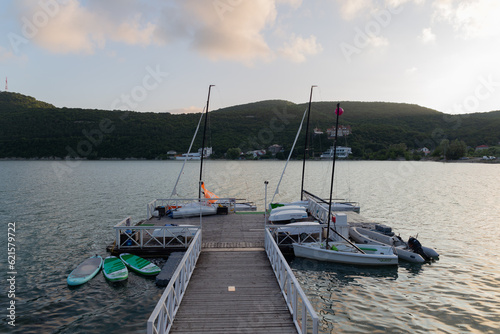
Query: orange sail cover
[{"x": 209, "y": 194}]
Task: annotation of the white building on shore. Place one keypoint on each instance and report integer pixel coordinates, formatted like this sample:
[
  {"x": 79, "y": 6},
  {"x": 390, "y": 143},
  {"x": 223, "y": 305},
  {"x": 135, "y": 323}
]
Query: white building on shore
[{"x": 342, "y": 152}]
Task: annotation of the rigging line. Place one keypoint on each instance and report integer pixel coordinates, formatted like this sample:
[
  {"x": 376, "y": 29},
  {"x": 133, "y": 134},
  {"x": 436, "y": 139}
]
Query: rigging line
[
  {"x": 289, "y": 155},
  {"x": 348, "y": 173},
  {"x": 174, "y": 191}
]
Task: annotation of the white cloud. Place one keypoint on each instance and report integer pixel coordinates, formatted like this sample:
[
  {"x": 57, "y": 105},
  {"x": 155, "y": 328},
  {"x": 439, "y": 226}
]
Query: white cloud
[
  {"x": 217, "y": 29},
  {"x": 293, "y": 3},
  {"x": 427, "y": 36},
  {"x": 5, "y": 55},
  {"x": 298, "y": 48},
  {"x": 349, "y": 9},
  {"x": 221, "y": 30},
  {"x": 470, "y": 18},
  {"x": 376, "y": 41},
  {"x": 68, "y": 27},
  {"x": 411, "y": 70}
]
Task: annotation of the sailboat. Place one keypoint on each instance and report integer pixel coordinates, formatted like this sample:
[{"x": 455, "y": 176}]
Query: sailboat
[
  {"x": 342, "y": 250},
  {"x": 203, "y": 208},
  {"x": 210, "y": 203},
  {"x": 337, "y": 205}
]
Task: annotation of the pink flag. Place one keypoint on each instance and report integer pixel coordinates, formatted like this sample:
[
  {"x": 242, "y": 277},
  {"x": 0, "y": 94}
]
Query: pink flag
[{"x": 339, "y": 111}]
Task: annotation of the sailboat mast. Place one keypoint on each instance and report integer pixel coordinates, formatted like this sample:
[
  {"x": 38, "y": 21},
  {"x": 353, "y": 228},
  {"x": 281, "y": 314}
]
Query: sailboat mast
[
  {"x": 203, "y": 142},
  {"x": 338, "y": 111},
  {"x": 305, "y": 145}
]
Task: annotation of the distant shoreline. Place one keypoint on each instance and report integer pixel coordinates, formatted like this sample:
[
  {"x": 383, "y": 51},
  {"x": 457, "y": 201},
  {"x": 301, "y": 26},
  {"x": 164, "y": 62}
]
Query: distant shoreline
[{"x": 469, "y": 160}]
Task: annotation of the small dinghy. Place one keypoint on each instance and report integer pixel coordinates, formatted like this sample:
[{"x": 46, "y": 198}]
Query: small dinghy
[
  {"x": 301, "y": 227},
  {"x": 287, "y": 215},
  {"x": 139, "y": 265},
  {"x": 341, "y": 252},
  {"x": 114, "y": 269},
  {"x": 411, "y": 251},
  {"x": 287, "y": 208},
  {"x": 193, "y": 210},
  {"x": 85, "y": 271}
]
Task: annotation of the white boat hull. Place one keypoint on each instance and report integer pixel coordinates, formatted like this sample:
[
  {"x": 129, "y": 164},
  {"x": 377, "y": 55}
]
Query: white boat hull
[
  {"x": 336, "y": 206},
  {"x": 343, "y": 206},
  {"x": 376, "y": 255},
  {"x": 287, "y": 208},
  {"x": 193, "y": 210},
  {"x": 288, "y": 216},
  {"x": 365, "y": 236},
  {"x": 245, "y": 207},
  {"x": 301, "y": 227}
]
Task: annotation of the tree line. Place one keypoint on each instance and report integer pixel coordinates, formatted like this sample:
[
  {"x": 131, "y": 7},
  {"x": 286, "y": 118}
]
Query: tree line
[{"x": 35, "y": 129}]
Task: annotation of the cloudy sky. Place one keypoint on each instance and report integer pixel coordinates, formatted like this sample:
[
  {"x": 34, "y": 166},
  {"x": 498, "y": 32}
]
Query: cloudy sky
[{"x": 161, "y": 55}]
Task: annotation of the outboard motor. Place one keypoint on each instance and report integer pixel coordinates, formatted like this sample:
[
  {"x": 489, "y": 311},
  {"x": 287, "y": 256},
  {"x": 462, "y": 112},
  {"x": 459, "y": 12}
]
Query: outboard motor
[{"x": 416, "y": 247}]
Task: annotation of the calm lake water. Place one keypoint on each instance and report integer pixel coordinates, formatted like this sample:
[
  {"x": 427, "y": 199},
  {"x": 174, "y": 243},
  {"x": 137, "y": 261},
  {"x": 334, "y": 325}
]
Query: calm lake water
[{"x": 64, "y": 213}]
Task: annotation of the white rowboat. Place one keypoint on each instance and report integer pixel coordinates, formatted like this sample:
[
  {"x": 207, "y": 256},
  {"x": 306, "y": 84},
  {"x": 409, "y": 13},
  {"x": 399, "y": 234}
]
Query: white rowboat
[{"x": 376, "y": 255}]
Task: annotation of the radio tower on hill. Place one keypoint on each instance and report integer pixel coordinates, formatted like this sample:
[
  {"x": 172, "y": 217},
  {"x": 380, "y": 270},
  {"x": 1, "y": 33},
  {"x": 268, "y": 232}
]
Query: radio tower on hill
[{"x": 6, "y": 86}]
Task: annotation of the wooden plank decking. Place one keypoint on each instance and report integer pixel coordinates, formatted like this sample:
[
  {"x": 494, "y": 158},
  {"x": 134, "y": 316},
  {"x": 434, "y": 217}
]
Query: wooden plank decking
[{"x": 233, "y": 288}]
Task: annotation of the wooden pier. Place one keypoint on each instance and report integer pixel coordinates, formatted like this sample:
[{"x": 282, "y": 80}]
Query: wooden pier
[{"x": 233, "y": 288}]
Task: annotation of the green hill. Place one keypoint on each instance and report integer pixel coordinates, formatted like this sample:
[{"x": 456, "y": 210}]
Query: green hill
[
  {"x": 35, "y": 129},
  {"x": 19, "y": 101}
]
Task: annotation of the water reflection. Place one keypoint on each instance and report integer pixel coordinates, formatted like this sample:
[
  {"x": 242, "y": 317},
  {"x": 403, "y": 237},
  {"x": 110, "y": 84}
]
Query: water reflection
[{"x": 344, "y": 273}]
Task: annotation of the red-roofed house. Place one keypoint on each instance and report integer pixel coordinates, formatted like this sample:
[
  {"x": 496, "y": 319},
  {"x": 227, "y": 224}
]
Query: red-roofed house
[{"x": 482, "y": 147}]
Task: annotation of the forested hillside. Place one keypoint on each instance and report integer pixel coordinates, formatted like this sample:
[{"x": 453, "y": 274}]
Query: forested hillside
[{"x": 35, "y": 129}]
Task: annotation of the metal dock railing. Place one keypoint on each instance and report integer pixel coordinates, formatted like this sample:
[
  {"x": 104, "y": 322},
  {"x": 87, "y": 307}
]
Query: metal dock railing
[{"x": 232, "y": 289}]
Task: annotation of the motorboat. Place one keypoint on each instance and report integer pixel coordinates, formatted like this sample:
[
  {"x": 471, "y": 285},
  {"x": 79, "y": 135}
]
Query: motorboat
[
  {"x": 411, "y": 251},
  {"x": 342, "y": 252}
]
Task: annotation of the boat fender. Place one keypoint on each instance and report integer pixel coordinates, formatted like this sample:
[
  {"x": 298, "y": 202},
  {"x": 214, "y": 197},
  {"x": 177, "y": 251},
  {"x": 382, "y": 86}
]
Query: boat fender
[{"x": 416, "y": 247}]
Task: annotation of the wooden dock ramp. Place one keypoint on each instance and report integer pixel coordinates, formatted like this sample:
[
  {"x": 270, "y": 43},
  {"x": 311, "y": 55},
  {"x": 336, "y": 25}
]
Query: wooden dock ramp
[{"x": 233, "y": 288}]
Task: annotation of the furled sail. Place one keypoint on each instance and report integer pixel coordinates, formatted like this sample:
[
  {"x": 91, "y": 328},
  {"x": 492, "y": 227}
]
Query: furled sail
[{"x": 209, "y": 194}]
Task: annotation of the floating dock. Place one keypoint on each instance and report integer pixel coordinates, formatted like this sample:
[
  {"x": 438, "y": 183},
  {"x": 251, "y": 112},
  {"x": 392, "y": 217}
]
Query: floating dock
[
  {"x": 233, "y": 288},
  {"x": 232, "y": 278},
  {"x": 239, "y": 284},
  {"x": 233, "y": 291}
]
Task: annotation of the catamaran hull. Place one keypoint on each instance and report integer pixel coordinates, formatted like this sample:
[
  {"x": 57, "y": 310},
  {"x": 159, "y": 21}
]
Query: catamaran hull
[{"x": 315, "y": 252}]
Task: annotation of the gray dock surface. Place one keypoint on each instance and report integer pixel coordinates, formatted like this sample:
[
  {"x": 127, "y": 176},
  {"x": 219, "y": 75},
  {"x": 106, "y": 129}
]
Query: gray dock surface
[{"x": 233, "y": 288}]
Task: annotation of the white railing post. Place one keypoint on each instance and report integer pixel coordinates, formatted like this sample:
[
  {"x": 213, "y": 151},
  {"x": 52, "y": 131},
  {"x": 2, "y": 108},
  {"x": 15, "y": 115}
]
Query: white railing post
[
  {"x": 290, "y": 287},
  {"x": 163, "y": 315}
]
